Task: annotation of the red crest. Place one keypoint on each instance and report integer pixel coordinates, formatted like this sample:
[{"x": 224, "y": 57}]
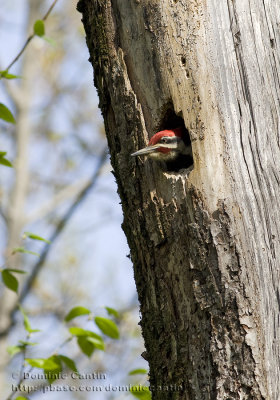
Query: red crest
[{"x": 168, "y": 132}]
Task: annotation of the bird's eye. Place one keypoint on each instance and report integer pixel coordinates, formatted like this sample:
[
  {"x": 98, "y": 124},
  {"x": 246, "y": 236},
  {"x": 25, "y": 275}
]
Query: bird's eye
[{"x": 164, "y": 140}]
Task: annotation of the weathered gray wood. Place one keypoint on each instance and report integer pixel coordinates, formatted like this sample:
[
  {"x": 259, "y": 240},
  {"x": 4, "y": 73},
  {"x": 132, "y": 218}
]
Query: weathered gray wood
[{"x": 205, "y": 245}]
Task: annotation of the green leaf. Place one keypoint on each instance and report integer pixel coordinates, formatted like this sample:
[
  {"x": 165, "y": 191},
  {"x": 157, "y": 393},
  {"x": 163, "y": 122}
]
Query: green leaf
[
  {"x": 141, "y": 392},
  {"x": 5, "y": 161},
  {"x": 68, "y": 362},
  {"x": 39, "y": 28},
  {"x": 53, "y": 373},
  {"x": 112, "y": 311},
  {"x": 108, "y": 327},
  {"x": 17, "y": 271},
  {"x": 9, "y": 280},
  {"x": 5, "y": 74},
  {"x": 98, "y": 344},
  {"x": 138, "y": 371},
  {"x": 26, "y": 322},
  {"x": 6, "y": 114},
  {"x": 23, "y": 250},
  {"x": 76, "y": 312},
  {"x": 49, "y": 40},
  {"x": 85, "y": 345},
  {"x": 33, "y": 236},
  {"x": 43, "y": 363},
  {"x": 21, "y": 398},
  {"x": 76, "y": 331},
  {"x": 88, "y": 341},
  {"x": 91, "y": 337},
  {"x": 24, "y": 343},
  {"x": 12, "y": 350}
]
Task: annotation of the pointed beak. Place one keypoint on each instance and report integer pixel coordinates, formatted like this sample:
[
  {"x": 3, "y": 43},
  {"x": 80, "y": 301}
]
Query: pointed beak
[{"x": 147, "y": 150}]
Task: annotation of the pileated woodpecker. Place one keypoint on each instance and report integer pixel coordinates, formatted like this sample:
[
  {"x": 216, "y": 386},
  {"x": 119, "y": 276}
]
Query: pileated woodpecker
[{"x": 171, "y": 147}]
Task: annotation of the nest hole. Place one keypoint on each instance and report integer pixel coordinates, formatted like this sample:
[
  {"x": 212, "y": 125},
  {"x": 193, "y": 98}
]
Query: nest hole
[{"x": 171, "y": 120}]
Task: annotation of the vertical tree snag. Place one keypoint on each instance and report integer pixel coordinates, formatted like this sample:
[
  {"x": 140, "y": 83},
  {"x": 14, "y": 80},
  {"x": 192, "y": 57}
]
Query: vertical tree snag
[{"x": 205, "y": 243}]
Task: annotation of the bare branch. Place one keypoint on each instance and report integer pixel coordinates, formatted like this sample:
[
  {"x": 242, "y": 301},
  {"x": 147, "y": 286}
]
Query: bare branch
[
  {"x": 64, "y": 194},
  {"x": 60, "y": 226},
  {"x": 28, "y": 40},
  {"x": 49, "y": 10},
  {"x": 2, "y": 214}
]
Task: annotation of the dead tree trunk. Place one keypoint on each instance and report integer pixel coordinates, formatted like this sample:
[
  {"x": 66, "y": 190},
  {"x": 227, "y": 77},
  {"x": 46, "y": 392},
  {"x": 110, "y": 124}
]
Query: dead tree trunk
[{"x": 204, "y": 244}]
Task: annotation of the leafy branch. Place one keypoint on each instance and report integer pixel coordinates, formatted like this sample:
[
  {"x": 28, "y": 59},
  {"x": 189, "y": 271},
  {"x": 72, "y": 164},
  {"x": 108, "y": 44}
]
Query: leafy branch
[
  {"x": 87, "y": 340},
  {"x": 5, "y": 113},
  {"x": 38, "y": 30}
]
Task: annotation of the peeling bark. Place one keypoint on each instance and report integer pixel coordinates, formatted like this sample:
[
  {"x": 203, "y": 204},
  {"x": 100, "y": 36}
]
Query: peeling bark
[{"x": 204, "y": 244}]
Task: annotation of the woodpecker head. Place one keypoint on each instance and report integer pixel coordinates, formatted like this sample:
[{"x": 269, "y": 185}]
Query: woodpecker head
[{"x": 167, "y": 145}]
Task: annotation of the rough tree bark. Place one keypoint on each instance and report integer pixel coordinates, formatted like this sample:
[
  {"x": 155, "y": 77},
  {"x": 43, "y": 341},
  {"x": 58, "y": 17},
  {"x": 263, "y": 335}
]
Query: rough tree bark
[{"x": 204, "y": 244}]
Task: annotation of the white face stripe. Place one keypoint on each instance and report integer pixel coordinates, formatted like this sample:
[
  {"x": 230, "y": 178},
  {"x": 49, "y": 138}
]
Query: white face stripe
[
  {"x": 169, "y": 139},
  {"x": 170, "y": 142}
]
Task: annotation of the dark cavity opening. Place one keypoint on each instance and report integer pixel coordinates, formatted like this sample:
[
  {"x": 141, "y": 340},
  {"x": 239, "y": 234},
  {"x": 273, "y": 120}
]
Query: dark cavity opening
[{"x": 171, "y": 120}]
